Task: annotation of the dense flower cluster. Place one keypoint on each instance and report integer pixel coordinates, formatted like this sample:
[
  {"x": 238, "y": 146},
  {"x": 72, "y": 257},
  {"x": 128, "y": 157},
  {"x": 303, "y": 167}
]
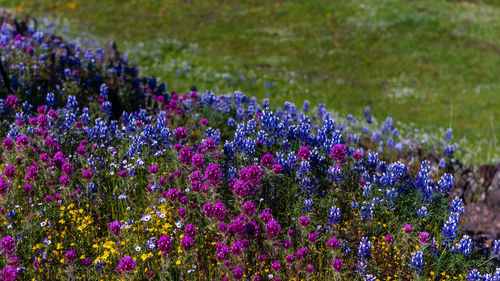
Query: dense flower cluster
[{"x": 201, "y": 186}]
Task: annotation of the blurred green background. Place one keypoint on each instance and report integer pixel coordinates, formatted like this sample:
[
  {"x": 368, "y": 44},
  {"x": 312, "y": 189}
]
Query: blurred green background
[{"x": 429, "y": 64}]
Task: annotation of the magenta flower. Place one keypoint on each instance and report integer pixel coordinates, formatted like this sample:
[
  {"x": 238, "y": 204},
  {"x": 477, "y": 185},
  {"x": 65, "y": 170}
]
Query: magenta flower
[
  {"x": 12, "y": 101},
  {"x": 153, "y": 169},
  {"x": 7, "y": 143},
  {"x": 310, "y": 268},
  {"x": 165, "y": 245},
  {"x": 222, "y": 251},
  {"x": 70, "y": 256},
  {"x": 333, "y": 243},
  {"x": 290, "y": 259},
  {"x": 187, "y": 243},
  {"x": 304, "y": 153},
  {"x": 87, "y": 174},
  {"x": 238, "y": 273},
  {"x": 407, "y": 228},
  {"x": 9, "y": 273},
  {"x": 68, "y": 168},
  {"x": 389, "y": 239},
  {"x": 267, "y": 160},
  {"x": 337, "y": 264},
  {"x": 266, "y": 215},
  {"x": 180, "y": 133},
  {"x": 276, "y": 266},
  {"x": 123, "y": 174},
  {"x": 190, "y": 230},
  {"x": 312, "y": 237},
  {"x": 8, "y": 244},
  {"x": 423, "y": 237},
  {"x": 338, "y": 152},
  {"x": 249, "y": 208},
  {"x": 213, "y": 175},
  {"x": 9, "y": 171},
  {"x": 357, "y": 155},
  {"x": 115, "y": 227},
  {"x": 126, "y": 265},
  {"x": 304, "y": 220},
  {"x": 237, "y": 248},
  {"x": 277, "y": 169},
  {"x": 301, "y": 253},
  {"x": 198, "y": 161},
  {"x": 273, "y": 229}
]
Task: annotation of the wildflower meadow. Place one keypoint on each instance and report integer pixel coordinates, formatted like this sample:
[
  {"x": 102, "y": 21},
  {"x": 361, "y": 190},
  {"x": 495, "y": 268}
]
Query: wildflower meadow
[{"x": 108, "y": 175}]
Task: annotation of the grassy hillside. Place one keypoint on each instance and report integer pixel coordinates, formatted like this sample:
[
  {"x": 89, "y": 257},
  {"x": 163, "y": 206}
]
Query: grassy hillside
[{"x": 431, "y": 63}]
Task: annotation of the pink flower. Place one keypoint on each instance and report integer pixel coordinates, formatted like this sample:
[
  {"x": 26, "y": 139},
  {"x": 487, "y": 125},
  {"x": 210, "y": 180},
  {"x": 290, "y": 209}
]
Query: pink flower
[
  {"x": 423, "y": 237},
  {"x": 389, "y": 239},
  {"x": 337, "y": 264},
  {"x": 407, "y": 228},
  {"x": 304, "y": 221},
  {"x": 338, "y": 152}
]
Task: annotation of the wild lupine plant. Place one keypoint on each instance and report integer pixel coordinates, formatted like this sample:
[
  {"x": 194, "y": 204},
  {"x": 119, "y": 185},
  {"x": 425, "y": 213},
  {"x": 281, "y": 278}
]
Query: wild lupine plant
[{"x": 209, "y": 187}]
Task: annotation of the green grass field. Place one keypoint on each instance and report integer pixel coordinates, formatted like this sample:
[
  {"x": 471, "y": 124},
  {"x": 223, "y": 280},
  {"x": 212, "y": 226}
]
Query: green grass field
[{"x": 428, "y": 64}]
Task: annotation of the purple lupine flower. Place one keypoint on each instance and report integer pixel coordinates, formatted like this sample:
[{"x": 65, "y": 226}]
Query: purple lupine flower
[
  {"x": 126, "y": 265},
  {"x": 310, "y": 268},
  {"x": 389, "y": 239},
  {"x": 290, "y": 259}
]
